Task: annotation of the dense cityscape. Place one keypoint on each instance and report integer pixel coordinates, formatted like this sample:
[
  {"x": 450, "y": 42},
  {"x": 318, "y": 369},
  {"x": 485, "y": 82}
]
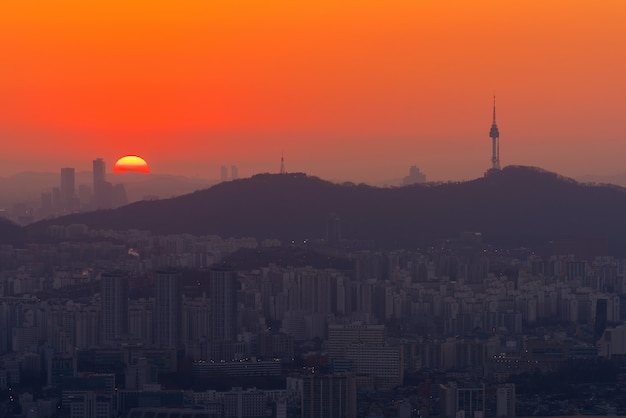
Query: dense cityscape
[
  {"x": 287, "y": 209},
  {"x": 128, "y": 323}
]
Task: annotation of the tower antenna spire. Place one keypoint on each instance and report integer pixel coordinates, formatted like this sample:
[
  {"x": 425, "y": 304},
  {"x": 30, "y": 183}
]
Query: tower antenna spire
[
  {"x": 494, "y": 134},
  {"x": 282, "y": 163}
]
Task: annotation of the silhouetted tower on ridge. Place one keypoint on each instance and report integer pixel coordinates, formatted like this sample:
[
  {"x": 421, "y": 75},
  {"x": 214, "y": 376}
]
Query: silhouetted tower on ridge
[
  {"x": 282, "y": 164},
  {"x": 494, "y": 134}
]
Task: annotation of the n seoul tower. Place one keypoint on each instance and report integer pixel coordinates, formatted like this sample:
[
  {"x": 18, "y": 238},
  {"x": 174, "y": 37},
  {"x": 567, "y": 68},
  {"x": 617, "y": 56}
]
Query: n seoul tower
[{"x": 494, "y": 134}]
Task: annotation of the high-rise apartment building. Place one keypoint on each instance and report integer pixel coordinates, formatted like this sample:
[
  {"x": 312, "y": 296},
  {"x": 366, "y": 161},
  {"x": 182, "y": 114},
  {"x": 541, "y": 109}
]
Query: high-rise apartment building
[
  {"x": 341, "y": 336},
  {"x": 244, "y": 403},
  {"x": 167, "y": 308},
  {"x": 223, "y": 311},
  {"x": 114, "y": 286},
  {"x": 505, "y": 400},
  {"x": 383, "y": 362},
  {"x": 466, "y": 397},
  {"x": 330, "y": 396}
]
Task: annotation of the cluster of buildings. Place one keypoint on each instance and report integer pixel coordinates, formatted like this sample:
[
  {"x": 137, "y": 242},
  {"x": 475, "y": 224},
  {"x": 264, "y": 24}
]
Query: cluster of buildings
[
  {"x": 110, "y": 322},
  {"x": 71, "y": 197},
  {"x": 234, "y": 173},
  {"x": 102, "y": 194}
]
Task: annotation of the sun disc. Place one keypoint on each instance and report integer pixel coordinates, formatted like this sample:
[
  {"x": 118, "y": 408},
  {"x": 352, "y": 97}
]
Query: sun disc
[{"x": 131, "y": 163}]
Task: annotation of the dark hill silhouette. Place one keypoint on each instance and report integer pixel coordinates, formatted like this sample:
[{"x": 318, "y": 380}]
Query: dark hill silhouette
[
  {"x": 518, "y": 206},
  {"x": 10, "y": 233}
]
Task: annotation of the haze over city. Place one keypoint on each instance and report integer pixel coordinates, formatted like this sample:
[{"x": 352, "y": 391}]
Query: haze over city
[
  {"x": 346, "y": 90},
  {"x": 312, "y": 209}
]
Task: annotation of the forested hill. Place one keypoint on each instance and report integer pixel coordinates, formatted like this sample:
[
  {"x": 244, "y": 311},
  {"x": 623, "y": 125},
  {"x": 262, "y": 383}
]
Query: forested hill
[{"x": 517, "y": 206}]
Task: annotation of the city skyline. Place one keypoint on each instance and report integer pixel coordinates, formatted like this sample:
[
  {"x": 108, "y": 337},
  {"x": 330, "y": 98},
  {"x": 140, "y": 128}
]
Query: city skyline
[
  {"x": 308, "y": 209},
  {"x": 356, "y": 91}
]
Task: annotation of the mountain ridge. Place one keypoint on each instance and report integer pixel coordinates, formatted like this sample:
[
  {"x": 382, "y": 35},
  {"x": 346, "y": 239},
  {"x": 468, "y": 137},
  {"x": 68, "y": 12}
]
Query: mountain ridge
[{"x": 517, "y": 206}]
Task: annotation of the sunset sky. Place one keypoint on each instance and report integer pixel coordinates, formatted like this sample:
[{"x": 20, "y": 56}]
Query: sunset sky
[{"x": 347, "y": 90}]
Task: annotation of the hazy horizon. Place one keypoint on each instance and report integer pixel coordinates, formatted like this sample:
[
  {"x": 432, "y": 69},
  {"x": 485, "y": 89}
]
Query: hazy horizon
[
  {"x": 212, "y": 173},
  {"x": 248, "y": 171},
  {"x": 352, "y": 91}
]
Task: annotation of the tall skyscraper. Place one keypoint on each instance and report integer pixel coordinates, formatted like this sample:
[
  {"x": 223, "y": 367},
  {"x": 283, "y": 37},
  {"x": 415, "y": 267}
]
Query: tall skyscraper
[
  {"x": 223, "y": 311},
  {"x": 167, "y": 308},
  {"x": 102, "y": 189},
  {"x": 114, "y": 285},
  {"x": 68, "y": 189},
  {"x": 99, "y": 172},
  {"x": 224, "y": 173},
  {"x": 234, "y": 172}
]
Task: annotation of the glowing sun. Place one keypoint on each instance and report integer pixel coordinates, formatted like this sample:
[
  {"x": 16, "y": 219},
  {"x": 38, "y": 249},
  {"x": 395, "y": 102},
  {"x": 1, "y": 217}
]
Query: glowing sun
[{"x": 131, "y": 163}]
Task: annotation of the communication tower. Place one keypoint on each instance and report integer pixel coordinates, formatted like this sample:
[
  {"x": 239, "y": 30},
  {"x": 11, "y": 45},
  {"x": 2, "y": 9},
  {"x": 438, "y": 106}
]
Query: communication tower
[{"x": 494, "y": 134}]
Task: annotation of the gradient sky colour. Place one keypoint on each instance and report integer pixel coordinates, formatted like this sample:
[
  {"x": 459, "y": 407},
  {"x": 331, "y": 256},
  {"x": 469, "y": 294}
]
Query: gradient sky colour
[{"x": 350, "y": 90}]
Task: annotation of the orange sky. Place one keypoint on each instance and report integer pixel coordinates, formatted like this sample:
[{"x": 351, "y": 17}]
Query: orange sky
[{"x": 350, "y": 90}]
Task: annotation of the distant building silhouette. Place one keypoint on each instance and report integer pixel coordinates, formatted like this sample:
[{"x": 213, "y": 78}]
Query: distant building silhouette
[
  {"x": 56, "y": 199},
  {"x": 118, "y": 196},
  {"x": 102, "y": 189},
  {"x": 415, "y": 176},
  {"x": 167, "y": 307},
  {"x": 47, "y": 208},
  {"x": 68, "y": 190},
  {"x": 234, "y": 172},
  {"x": 85, "y": 194},
  {"x": 99, "y": 172},
  {"x": 224, "y": 173}
]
